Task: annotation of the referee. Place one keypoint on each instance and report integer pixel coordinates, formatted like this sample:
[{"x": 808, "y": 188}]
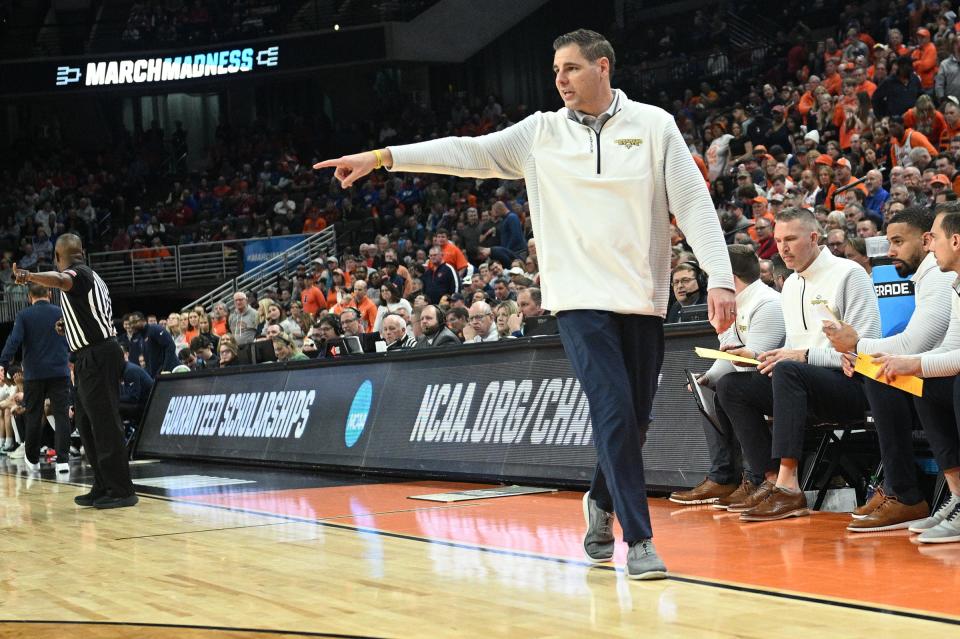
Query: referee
[{"x": 98, "y": 368}]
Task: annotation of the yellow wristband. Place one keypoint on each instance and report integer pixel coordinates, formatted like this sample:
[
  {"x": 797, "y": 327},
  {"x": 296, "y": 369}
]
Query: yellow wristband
[{"x": 379, "y": 157}]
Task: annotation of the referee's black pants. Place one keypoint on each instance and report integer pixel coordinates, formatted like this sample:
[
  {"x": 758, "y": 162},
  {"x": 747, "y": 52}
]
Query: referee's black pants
[
  {"x": 97, "y": 372},
  {"x": 35, "y": 391},
  {"x": 617, "y": 359}
]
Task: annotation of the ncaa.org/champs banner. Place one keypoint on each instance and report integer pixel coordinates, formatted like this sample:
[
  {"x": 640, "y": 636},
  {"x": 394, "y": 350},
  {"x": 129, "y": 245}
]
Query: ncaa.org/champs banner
[{"x": 511, "y": 411}]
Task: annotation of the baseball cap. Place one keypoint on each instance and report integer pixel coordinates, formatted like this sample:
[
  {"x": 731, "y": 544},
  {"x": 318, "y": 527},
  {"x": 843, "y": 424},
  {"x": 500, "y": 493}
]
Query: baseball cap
[
  {"x": 924, "y": 33},
  {"x": 760, "y": 199},
  {"x": 516, "y": 270},
  {"x": 940, "y": 178},
  {"x": 843, "y": 162},
  {"x": 824, "y": 159},
  {"x": 334, "y": 260},
  {"x": 777, "y": 197}
]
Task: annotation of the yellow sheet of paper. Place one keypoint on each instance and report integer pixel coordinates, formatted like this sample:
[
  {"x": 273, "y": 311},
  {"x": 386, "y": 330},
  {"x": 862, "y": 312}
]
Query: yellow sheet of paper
[
  {"x": 710, "y": 353},
  {"x": 909, "y": 383}
]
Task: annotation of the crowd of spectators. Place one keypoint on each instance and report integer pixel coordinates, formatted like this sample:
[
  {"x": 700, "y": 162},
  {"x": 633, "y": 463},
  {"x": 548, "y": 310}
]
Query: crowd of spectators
[
  {"x": 864, "y": 124},
  {"x": 854, "y": 128},
  {"x": 372, "y": 298}
]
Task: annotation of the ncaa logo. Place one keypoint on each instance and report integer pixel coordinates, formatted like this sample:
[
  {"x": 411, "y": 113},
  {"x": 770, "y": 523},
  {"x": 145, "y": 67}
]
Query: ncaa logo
[{"x": 359, "y": 411}]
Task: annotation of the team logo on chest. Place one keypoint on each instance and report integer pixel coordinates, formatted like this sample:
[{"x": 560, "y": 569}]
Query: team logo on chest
[{"x": 629, "y": 142}]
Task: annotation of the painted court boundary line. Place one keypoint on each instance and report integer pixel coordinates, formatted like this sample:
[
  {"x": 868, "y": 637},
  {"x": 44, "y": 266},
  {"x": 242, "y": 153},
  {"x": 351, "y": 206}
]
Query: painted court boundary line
[
  {"x": 850, "y": 605},
  {"x": 134, "y": 624}
]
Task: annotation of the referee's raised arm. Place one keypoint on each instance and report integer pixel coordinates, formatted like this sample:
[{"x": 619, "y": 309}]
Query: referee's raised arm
[{"x": 68, "y": 250}]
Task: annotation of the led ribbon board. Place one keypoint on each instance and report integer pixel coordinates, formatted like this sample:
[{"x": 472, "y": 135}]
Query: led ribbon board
[{"x": 137, "y": 71}]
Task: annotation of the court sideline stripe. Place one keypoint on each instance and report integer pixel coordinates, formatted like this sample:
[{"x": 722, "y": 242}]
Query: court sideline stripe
[
  {"x": 203, "y": 530},
  {"x": 851, "y": 605},
  {"x": 527, "y": 555},
  {"x": 267, "y": 631}
]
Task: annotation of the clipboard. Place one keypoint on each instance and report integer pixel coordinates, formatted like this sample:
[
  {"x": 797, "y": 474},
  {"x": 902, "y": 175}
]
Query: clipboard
[
  {"x": 706, "y": 403},
  {"x": 908, "y": 383},
  {"x": 711, "y": 353}
]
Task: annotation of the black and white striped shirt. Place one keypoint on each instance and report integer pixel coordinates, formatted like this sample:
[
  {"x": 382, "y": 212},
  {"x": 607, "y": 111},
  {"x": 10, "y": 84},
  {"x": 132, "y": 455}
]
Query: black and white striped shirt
[{"x": 87, "y": 311}]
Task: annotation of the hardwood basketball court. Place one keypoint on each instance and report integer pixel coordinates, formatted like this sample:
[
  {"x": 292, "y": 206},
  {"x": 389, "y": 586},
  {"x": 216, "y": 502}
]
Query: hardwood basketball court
[{"x": 220, "y": 551}]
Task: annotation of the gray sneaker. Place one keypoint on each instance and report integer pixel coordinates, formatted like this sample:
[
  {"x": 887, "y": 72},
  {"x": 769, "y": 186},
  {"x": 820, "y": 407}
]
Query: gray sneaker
[
  {"x": 947, "y": 531},
  {"x": 939, "y": 515},
  {"x": 598, "y": 540},
  {"x": 644, "y": 563}
]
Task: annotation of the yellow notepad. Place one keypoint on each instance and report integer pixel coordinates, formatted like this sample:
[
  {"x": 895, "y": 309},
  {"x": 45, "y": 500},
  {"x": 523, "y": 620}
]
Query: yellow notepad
[
  {"x": 909, "y": 383},
  {"x": 709, "y": 353}
]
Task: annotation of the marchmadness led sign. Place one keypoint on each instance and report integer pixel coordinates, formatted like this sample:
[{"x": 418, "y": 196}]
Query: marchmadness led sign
[
  {"x": 509, "y": 411},
  {"x": 169, "y": 69},
  {"x": 189, "y": 69}
]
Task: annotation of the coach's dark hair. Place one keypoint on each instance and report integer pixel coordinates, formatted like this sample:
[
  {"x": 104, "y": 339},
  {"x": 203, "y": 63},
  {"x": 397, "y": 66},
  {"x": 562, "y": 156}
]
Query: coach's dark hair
[
  {"x": 950, "y": 222},
  {"x": 918, "y": 217},
  {"x": 592, "y": 45},
  {"x": 745, "y": 263}
]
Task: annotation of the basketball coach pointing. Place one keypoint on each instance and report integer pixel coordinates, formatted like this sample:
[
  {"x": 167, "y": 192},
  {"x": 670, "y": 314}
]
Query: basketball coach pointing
[
  {"x": 603, "y": 175},
  {"x": 98, "y": 365}
]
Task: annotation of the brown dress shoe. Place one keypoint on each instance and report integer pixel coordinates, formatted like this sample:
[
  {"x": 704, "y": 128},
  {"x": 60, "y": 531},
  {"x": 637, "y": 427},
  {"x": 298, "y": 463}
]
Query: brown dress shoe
[
  {"x": 706, "y": 492},
  {"x": 875, "y": 500},
  {"x": 744, "y": 490},
  {"x": 758, "y": 495},
  {"x": 779, "y": 504},
  {"x": 891, "y": 514}
]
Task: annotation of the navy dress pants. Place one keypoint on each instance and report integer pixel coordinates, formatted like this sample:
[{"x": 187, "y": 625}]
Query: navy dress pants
[{"x": 617, "y": 359}]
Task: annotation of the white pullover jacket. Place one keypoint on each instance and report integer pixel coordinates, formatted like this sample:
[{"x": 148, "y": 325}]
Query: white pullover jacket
[{"x": 600, "y": 202}]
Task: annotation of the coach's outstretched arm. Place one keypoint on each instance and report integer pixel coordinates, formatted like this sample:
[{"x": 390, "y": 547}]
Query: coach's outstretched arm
[{"x": 500, "y": 154}]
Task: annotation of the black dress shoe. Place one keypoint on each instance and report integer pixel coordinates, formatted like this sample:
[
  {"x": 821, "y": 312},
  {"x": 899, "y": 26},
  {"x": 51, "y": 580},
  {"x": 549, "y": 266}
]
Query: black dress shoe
[
  {"x": 87, "y": 499},
  {"x": 106, "y": 501}
]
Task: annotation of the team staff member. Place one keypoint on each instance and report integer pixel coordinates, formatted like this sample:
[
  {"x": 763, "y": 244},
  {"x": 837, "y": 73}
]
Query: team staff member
[
  {"x": 98, "y": 369},
  {"x": 759, "y": 328},
  {"x": 607, "y": 173},
  {"x": 154, "y": 343},
  {"x": 940, "y": 368},
  {"x": 46, "y": 374},
  {"x": 899, "y": 502},
  {"x": 805, "y": 376}
]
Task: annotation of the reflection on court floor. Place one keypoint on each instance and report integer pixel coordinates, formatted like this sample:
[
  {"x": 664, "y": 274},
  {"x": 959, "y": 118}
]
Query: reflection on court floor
[{"x": 249, "y": 548}]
